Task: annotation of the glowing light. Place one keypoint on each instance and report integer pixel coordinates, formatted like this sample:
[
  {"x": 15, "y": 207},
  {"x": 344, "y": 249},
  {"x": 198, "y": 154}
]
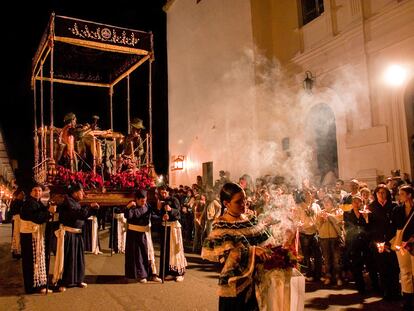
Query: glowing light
[
  {"x": 178, "y": 163},
  {"x": 381, "y": 247},
  {"x": 395, "y": 75}
]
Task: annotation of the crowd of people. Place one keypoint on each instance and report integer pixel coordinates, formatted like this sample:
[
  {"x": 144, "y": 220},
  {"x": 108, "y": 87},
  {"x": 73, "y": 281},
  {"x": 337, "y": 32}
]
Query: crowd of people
[{"x": 342, "y": 235}]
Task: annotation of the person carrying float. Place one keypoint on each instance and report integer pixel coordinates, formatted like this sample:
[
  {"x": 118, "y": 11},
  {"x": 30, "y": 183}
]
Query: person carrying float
[{"x": 69, "y": 269}]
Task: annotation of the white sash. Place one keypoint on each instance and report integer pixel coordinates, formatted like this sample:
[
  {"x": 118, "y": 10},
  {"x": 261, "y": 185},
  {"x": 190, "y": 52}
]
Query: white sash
[
  {"x": 60, "y": 250},
  {"x": 177, "y": 258},
  {"x": 38, "y": 243},
  {"x": 95, "y": 246},
  {"x": 15, "y": 245},
  {"x": 138, "y": 228},
  {"x": 121, "y": 231}
]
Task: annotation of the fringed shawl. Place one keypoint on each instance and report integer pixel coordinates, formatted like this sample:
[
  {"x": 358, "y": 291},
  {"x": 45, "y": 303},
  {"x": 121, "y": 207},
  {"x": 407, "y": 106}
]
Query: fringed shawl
[{"x": 233, "y": 245}]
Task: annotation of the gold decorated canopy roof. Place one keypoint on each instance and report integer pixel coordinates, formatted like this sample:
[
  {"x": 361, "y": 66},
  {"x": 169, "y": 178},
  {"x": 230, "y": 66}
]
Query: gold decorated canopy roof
[{"x": 82, "y": 52}]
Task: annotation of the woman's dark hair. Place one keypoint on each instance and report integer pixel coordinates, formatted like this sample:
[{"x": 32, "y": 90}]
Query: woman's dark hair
[
  {"x": 408, "y": 189},
  {"x": 227, "y": 193},
  {"x": 299, "y": 196},
  {"x": 378, "y": 188}
]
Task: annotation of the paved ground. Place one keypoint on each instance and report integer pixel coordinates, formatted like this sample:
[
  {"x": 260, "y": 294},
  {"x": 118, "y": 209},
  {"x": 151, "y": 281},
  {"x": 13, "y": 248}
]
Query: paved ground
[{"x": 107, "y": 290}]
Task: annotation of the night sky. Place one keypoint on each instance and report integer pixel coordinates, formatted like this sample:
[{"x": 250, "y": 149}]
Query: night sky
[{"x": 22, "y": 29}]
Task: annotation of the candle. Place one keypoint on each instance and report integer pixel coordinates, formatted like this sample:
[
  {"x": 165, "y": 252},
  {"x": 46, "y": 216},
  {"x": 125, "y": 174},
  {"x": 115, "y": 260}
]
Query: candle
[
  {"x": 297, "y": 241},
  {"x": 381, "y": 247}
]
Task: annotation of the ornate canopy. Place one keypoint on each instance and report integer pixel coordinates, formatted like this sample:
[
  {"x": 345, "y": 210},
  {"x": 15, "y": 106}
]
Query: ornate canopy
[
  {"x": 89, "y": 53},
  {"x": 85, "y": 53}
]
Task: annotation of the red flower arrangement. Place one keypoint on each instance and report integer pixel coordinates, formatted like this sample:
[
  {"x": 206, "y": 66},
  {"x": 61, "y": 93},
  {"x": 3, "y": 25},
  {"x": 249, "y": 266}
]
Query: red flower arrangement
[
  {"x": 140, "y": 179},
  {"x": 281, "y": 258},
  {"x": 89, "y": 180}
]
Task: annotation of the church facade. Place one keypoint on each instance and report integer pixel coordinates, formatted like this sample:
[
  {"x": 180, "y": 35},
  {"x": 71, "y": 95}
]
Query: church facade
[{"x": 301, "y": 89}]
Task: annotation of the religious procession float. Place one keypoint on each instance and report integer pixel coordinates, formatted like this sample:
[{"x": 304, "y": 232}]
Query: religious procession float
[{"x": 109, "y": 164}]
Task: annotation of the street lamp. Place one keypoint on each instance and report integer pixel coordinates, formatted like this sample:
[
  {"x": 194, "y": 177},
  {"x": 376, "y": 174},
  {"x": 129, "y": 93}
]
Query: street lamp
[
  {"x": 395, "y": 75},
  {"x": 178, "y": 163}
]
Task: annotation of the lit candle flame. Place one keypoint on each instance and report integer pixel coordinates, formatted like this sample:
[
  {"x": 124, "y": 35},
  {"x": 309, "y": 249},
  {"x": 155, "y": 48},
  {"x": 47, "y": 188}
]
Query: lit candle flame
[{"x": 381, "y": 247}]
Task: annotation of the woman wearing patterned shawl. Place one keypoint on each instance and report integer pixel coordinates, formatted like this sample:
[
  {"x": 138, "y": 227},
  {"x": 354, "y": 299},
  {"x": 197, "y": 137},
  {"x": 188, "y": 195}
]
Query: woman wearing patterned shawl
[{"x": 233, "y": 242}]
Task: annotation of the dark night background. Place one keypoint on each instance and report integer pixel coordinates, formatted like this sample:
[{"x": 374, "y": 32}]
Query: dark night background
[{"x": 22, "y": 29}]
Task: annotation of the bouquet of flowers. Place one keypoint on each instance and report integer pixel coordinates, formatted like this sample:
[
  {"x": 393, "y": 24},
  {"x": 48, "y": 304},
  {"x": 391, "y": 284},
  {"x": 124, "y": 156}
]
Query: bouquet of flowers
[
  {"x": 279, "y": 285},
  {"x": 281, "y": 258}
]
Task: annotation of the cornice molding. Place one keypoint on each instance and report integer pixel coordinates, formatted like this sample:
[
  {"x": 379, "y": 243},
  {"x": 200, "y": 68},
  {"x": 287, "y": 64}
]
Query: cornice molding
[
  {"x": 330, "y": 44},
  {"x": 167, "y": 5}
]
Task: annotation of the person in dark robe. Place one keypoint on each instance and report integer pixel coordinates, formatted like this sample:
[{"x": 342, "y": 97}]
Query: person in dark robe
[
  {"x": 172, "y": 261},
  {"x": 69, "y": 270},
  {"x": 357, "y": 241},
  {"x": 403, "y": 219},
  {"x": 139, "y": 252},
  {"x": 33, "y": 218},
  {"x": 117, "y": 238},
  {"x": 50, "y": 238},
  {"x": 381, "y": 230},
  {"x": 15, "y": 207}
]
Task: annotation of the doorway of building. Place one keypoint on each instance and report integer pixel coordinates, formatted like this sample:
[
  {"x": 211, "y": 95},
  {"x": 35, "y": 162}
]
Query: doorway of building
[
  {"x": 409, "y": 117},
  {"x": 208, "y": 175},
  {"x": 321, "y": 133}
]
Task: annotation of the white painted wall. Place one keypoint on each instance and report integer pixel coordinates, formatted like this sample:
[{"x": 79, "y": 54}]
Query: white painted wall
[
  {"x": 207, "y": 44},
  {"x": 352, "y": 63}
]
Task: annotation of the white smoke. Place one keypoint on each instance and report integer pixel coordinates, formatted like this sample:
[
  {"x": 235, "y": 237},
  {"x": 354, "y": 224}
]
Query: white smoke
[{"x": 256, "y": 104}]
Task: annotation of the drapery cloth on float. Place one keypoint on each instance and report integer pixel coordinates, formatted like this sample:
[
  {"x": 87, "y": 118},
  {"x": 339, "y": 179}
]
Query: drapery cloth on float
[{"x": 232, "y": 244}]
